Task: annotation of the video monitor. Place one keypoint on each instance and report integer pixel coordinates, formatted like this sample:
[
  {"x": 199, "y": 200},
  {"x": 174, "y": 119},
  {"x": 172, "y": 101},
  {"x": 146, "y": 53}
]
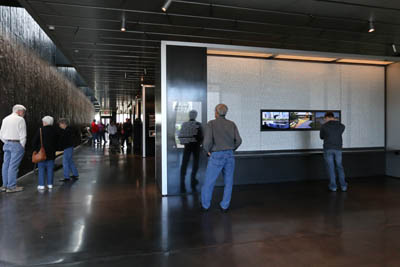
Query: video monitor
[
  {"x": 271, "y": 120},
  {"x": 320, "y": 118},
  {"x": 301, "y": 120}
]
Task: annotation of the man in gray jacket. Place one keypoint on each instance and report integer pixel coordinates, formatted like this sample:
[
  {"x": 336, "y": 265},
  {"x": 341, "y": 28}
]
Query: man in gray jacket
[{"x": 220, "y": 140}]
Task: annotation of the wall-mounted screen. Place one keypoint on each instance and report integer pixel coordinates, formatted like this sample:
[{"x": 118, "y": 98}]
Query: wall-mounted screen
[
  {"x": 301, "y": 120},
  {"x": 292, "y": 120},
  {"x": 274, "y": 120}
]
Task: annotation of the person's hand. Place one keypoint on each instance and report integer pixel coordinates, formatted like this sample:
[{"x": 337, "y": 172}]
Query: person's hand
[{"x": 209, "y": 154}]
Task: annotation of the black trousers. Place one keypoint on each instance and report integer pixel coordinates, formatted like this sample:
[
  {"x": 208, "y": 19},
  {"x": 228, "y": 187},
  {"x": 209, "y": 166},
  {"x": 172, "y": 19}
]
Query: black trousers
[{"x": 191, "y": 148}]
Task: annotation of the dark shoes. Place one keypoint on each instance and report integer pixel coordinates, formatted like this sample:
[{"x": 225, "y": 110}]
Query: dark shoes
[
  {"x": 15, "y": 189},
  {"x": 75, "y": 177},
  {"x": 64, "y": 180},
  {"x": 223, "y": 210}
]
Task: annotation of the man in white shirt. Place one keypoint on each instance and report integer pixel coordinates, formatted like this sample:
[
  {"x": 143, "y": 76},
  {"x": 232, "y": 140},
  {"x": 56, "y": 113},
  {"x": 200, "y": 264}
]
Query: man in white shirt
[{"x": 13, "y": 135}]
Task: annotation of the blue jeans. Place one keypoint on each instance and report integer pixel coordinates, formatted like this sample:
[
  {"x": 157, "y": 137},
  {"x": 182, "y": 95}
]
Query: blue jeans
[
  {"x": 221, "y": 161},
  {"x": 13, "y": 154},
  {"x": 43, "y": 166},
  {"x": 333, "y": 160},
  {"x": 68, "y": 163}
]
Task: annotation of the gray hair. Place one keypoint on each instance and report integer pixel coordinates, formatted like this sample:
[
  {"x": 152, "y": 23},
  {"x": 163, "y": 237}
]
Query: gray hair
[
  {"x": 48, "y": 120},
  {"x": 221, "y": 109},
  {"x": 17, "y": 108},
  {"x": 63, "y": 121}
]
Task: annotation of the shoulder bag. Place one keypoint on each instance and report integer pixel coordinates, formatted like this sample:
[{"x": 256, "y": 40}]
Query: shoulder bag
[{"x": 41, "y": 155}]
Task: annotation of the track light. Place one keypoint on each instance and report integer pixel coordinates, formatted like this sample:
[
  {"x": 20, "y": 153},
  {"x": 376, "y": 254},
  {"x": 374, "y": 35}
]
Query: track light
[
  {"x": 166, "y": 5},
  {"x": 123, "y": 23},
  {"x": 371, "y": 27},
  {"x": 394, "y": 48}
]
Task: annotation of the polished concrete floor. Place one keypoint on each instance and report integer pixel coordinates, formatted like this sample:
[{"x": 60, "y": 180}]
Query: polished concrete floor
[{"x": 114, "y": 216}]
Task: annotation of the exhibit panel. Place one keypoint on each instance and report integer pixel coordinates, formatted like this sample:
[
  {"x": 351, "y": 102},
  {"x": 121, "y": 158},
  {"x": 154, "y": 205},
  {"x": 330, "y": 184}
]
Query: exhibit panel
[
  {"x": 393, "y": 120},
  {"x": 249, "y": 85},
  {"x": 186, "y": 91}
]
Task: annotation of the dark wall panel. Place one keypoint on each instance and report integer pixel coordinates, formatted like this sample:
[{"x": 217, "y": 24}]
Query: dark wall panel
[
  {"x": 297, "y": 167},
  {"x": 186, "y": 82}
]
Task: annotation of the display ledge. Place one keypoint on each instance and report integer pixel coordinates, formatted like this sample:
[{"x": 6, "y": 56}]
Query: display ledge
[{"x": 244, "y": 154}]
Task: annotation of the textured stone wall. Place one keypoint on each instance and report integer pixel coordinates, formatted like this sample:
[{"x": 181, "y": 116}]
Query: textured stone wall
[{"x": 28, "y": 78}]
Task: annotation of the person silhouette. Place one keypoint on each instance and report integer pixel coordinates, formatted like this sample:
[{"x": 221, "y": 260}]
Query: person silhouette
[{"x": 191, "y": 136}]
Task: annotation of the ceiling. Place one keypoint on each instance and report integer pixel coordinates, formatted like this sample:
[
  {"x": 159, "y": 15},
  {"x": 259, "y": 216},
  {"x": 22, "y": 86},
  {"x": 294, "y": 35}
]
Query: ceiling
[{"x": 115, "y": 63}]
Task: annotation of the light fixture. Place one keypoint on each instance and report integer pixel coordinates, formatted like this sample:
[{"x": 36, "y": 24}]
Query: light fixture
[
  {"x": 52, "y": 27},
  {"x": 394, "y": 48},
  {"x": 123, "y": 23},
  {"x": 371, "y": 26},
  {"x": 364, "y": 61},
  {"x": 305, "y": 58},
  {"x": 237, "y": 53},
  {"x": 145, "y": 71},
  {"x": 166, "y": 5}
]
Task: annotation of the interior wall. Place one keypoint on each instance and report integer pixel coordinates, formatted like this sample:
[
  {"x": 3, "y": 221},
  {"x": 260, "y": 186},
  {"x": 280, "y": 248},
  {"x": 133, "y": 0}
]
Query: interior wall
[
  {"x": 248, "y": 85},
  {"x": 393, "y": 120},
  {"x": 32, "y": 81}
]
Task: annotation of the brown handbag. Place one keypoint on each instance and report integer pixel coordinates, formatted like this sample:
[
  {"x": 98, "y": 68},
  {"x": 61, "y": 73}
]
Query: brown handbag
[{"x": 41, "y": 155}]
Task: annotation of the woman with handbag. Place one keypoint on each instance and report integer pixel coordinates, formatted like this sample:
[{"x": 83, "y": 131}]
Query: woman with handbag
[{"x": 45, "y": 142}]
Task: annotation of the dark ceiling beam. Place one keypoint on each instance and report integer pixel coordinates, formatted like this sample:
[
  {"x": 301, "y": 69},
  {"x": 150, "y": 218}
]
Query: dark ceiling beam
[
  {"x": 116, "y": 45},
  {"x": 261, "y": 32},
  {"x": 114, "y": 50},
  {"x": 358, "y": 5}
]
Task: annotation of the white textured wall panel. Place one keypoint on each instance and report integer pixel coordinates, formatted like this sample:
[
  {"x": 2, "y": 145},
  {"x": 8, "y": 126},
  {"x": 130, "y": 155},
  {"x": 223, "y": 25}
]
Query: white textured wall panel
[{"x": 249, "y": 85}]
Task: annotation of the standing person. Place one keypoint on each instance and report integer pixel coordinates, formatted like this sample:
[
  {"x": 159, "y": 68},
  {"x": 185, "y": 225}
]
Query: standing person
[
  {"x": 331, "y": 132},
  {"x": 95, "y": 132},
  {"x": 102, "y": 133},
  {"x": 191, "y": 136},
  {"x": 13, "y": 135},
  {"x": 221, "y": 139},
  {"x": 67, "y": 144},
  {"x": 50, "y": 140},
  {"x": 113, "y": 135},
  {"x": 127, "y": 135}
]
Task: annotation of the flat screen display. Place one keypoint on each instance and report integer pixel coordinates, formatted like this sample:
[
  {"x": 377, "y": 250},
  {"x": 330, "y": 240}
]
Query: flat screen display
[
  {"x": 320, "y": 118},
  {"x": 294, "y": 120},
  {"x": 274, "y": 120},
  {"x": 301, "y": 120}
]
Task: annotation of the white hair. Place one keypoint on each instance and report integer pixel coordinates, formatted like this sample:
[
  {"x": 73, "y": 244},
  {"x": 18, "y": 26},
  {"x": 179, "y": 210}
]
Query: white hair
[
  {"x": 17, "y": 108},
  {"x": 48, "y": 120}
]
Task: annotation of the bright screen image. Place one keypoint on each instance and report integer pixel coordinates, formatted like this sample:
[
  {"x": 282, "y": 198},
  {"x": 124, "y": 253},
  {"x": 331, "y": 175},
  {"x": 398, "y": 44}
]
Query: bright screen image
[
  {"x": 275, "y": 120},
  {"x": 320, "y": 118},
  {"x": 301, "y": 120}
]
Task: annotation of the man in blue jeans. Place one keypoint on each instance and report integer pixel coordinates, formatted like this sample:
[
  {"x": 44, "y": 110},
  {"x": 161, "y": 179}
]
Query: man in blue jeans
[
  {"x": 331, "y": 132},
  {"x": 220, "y": 140},
  {"x": 13, "y": 135},
  {"x": 67, "y": 144}
]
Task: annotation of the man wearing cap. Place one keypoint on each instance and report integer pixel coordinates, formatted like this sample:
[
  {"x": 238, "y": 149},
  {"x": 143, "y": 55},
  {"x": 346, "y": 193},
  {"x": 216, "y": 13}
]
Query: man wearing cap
[
  {"x": 13, "y": 135},
  {"x": 220, "y": 140}
]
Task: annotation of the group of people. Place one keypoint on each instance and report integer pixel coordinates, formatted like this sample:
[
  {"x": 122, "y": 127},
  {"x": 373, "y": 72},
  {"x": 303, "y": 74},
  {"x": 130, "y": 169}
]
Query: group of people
[
  {"x": 221, "y": 138},
  {"x": 14, "y": 136},
  {"x": 118, "y": 133}
]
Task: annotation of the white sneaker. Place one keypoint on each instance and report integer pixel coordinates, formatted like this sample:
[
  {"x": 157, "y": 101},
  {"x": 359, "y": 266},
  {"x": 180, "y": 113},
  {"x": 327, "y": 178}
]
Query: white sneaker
[
  {"x": 40, "y": 187},
  {"x": 50, "y": 186}
]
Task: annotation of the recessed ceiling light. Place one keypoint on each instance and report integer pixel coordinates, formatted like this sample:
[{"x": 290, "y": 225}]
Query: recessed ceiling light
[
  {"x": 166, "y": 5},
  {"x": 52, "y": 27},
  {"x": 123, "y": 23},
  {"x": 371, "y": 27}
]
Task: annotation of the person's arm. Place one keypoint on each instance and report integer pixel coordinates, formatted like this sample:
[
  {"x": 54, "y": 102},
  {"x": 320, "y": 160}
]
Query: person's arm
[
  {"x": 322, "y": 133},
  {"x": 36, "y": 141},
  {"x": 1, "y": 133},
  {"x": 200, "y": 133},
  {"x": 22, "y": 132},
  {"x": 208, "y": 139},
  {"x": 237, "y": 138}
]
